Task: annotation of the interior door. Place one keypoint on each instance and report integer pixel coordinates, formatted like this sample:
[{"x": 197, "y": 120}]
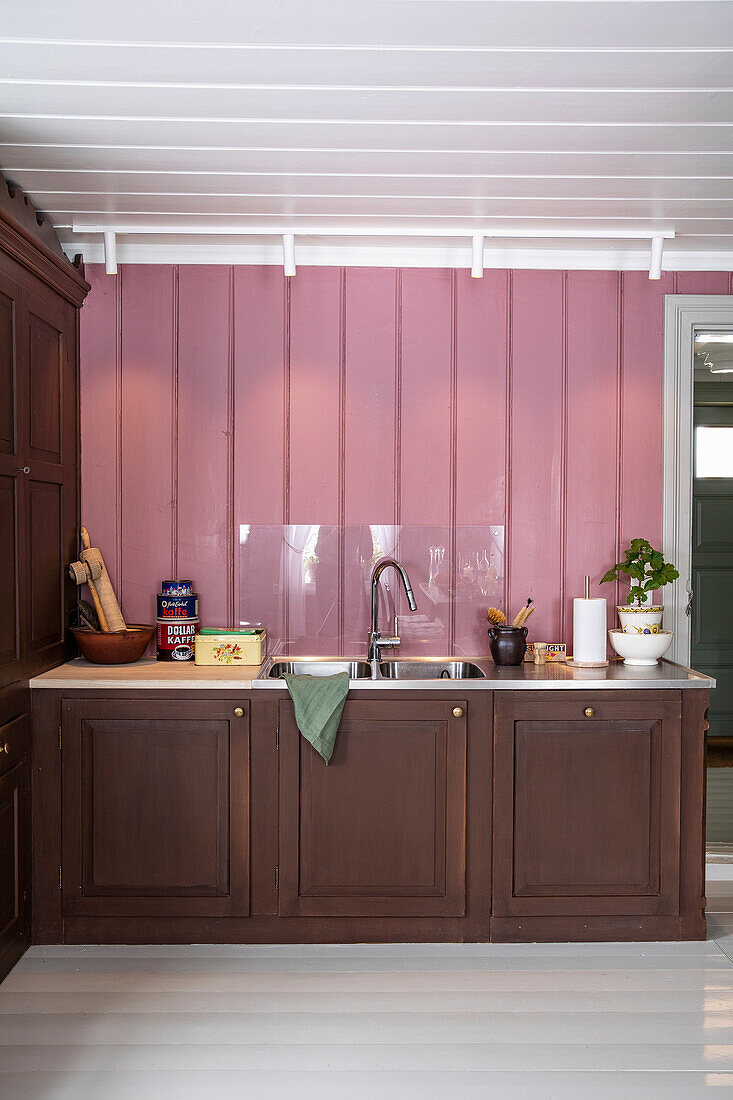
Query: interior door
[{"x": 712, "y": 560}]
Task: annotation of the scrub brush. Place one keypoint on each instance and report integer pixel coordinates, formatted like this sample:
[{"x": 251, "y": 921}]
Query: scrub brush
[
  {"x": 524, "y": 614},
  {"x": 495, "y": 616}
]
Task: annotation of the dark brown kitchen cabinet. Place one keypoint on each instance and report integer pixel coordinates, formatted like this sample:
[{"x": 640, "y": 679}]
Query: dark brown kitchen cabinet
[
  {"x": 14, "y": 839},
  {"x": 586, "y": 809},
  {"x": 38, "y": 470},
  {"x": 155, "y": 807},
  {"x": 381, "y": 830}
]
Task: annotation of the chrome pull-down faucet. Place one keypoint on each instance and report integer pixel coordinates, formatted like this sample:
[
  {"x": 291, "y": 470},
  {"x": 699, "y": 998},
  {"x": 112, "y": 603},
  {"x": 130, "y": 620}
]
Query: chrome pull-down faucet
[{"x": 376, "y": 641}]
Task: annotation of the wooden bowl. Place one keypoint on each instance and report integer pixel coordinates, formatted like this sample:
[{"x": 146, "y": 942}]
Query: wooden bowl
[{"x": 119, "y": 647}]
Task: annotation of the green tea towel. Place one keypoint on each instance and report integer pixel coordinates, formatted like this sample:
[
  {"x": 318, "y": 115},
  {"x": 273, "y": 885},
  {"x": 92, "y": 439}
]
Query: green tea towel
[{"x": 318, "y": 702}]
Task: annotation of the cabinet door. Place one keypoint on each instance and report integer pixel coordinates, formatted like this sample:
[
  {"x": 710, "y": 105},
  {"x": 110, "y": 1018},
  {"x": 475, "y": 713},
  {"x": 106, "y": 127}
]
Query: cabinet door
[
  {"x": 381, "y": 830},
  {"x": 155, "y": 808},
  {"x": 14, "y": 871},
  {"x": 50, "y": 519},
  {"x": 586, "y": 806},
  {"x": 13, "y": 482}
]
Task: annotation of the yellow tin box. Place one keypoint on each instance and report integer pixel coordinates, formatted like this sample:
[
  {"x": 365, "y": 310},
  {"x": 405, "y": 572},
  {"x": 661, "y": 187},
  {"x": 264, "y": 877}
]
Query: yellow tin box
[
  {"x": 555, "y": 652},
  {"x": 230, "y": 647}
]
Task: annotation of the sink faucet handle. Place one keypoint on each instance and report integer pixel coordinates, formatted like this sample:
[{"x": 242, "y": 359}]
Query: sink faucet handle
[{"x": 396, "y": 630}]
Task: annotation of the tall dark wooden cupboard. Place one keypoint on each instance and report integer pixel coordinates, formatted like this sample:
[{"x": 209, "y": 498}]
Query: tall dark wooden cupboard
[{"x": 40, "y": 296}]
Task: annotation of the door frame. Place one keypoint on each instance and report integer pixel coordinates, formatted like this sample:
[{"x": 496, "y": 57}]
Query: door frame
[{"x": 683, "y": 313}]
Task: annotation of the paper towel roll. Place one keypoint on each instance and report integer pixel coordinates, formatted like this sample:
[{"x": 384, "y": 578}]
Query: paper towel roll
[{"x": 589, "y": 631}]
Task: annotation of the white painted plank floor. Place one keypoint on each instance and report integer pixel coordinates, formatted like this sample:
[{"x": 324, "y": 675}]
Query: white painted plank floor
[{"x": 407, "y": 1021}]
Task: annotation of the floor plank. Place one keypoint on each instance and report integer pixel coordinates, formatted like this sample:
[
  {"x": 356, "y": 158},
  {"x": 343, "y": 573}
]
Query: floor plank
[{"x": 357, "y": 1021}]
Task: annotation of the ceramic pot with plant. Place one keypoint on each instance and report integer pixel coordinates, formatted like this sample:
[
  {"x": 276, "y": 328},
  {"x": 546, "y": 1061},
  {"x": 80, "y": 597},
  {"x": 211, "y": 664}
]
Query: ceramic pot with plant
[{"x": 647, "y": 572}]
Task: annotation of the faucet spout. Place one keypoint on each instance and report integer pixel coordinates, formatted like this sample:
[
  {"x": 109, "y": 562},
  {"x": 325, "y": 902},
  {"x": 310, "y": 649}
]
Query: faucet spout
[{"x": 376, "y": 641}]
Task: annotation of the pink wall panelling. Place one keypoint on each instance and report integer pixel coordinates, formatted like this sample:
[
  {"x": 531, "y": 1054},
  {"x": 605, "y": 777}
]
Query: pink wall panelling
[{"x": 213, "y": 397}]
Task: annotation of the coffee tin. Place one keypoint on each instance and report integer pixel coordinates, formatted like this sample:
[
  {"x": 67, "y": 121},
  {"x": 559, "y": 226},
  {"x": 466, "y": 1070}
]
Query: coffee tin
[
  {"x": 177, "y": 588},
  {"x": 176, "y": 638},
  {"x": 178, "y": 607}
]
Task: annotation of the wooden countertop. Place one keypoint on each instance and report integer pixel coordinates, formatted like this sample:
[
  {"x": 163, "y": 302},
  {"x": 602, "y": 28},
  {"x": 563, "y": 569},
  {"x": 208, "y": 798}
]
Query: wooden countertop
[{"x": 146, "y": 673}]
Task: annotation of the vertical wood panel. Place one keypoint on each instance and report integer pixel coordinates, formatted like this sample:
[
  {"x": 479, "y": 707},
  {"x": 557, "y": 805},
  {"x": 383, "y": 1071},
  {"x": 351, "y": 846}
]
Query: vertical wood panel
[
  {"x": 481, "y": 415},
  {"x": 259, "y": 401},
  {"x": 260, "y": 377},
  {"x": 426, "y": 447},
  {"x": 147, "y": 435},
  {"x": 592, "y": 435},
  {"x": 480, "y": 483},
  {"x": 370, "y": 425},
  {"x": 203, "y": 450},
  {"x": 315, "y": 448},
  {"x": 426, "y": 396},
  {"x": 369, "y": 473},
  {"x": 641, "y": 405},
  {"x": 100, "y": 416},
  {"x": 315, "y": 390},
  {"x": 535, "y": 537},
  {"x": 702, "y": 282}
]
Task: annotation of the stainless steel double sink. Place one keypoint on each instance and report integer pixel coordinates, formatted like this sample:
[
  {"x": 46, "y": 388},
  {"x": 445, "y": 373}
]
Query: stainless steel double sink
[{"x": 418, "y": 669}]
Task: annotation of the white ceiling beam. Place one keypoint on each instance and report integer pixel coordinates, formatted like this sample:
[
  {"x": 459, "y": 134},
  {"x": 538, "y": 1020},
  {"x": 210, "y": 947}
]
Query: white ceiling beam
[
  {"x": 600, "y": 233},
  {"x": 348, "y": 137},
  {"x": 283, "y": 64},
  {"x": 84, "y": 160},
  {"x": 382, "y": 24},
  {"x": 407, "y": 106}
]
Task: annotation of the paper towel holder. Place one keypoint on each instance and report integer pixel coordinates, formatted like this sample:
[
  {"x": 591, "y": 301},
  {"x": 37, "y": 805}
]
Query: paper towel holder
[{"x": 586, "y": 664}]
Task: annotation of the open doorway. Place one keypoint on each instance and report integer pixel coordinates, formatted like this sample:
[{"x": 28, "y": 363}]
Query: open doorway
[{"x": 698, "y": 526}]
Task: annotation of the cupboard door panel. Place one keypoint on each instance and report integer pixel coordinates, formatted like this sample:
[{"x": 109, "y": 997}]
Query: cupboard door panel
[
  {"x": 8, "y": 415},
  {"x": 155, "y": 809},
  {"x": 10, "y": 624},
  {"x": 46, "y": 565},
  {"x": 166, "y": 840},
  {"x": 586, "y": 810},
  {"x": 14, "y": 847},
  {"x": 46, "y": 370},
  {"x": 380, "y": 831},
  {"x": 572, "y": 835}
]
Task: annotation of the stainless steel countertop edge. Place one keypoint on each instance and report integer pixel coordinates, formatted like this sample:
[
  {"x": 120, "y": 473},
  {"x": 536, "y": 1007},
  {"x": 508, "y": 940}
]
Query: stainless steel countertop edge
[{"x": 77, "y": 675}]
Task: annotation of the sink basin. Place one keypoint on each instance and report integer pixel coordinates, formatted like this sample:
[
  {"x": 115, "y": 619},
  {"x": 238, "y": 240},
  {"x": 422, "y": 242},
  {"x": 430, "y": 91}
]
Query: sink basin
[
  {"x": 430, "y": 670},
  {"x": 357, "y": 670}
]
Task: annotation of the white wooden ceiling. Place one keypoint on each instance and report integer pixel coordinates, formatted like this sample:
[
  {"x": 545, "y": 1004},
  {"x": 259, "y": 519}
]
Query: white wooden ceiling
[{"x": 419, "y": 121}]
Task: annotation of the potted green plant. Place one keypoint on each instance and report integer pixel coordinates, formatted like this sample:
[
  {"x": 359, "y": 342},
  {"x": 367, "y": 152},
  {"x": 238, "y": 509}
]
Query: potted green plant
[{"x": 647, "y": 571}]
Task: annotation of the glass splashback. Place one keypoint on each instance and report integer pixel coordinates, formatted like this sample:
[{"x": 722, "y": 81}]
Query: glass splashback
[{"x": 310, "y": 586}]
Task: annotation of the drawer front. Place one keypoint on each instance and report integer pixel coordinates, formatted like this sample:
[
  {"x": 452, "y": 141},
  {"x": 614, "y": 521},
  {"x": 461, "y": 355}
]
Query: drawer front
[{"x": 14, "y": 742}]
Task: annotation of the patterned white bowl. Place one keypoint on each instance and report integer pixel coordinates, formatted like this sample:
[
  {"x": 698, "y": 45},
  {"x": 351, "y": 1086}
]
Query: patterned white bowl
[{"x": 641, "y": 649}]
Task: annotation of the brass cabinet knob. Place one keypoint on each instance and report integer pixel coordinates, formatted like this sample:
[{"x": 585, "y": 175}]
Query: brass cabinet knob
[
  {"x": 457, "y": 712},
  {"x": 238, "y": 712},
  {"x": 5, "y": 748},
  {"x": 589, "y": 712}
]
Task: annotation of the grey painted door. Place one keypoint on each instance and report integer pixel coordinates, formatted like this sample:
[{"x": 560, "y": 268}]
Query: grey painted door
[{"x": 712, "y": 566}]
